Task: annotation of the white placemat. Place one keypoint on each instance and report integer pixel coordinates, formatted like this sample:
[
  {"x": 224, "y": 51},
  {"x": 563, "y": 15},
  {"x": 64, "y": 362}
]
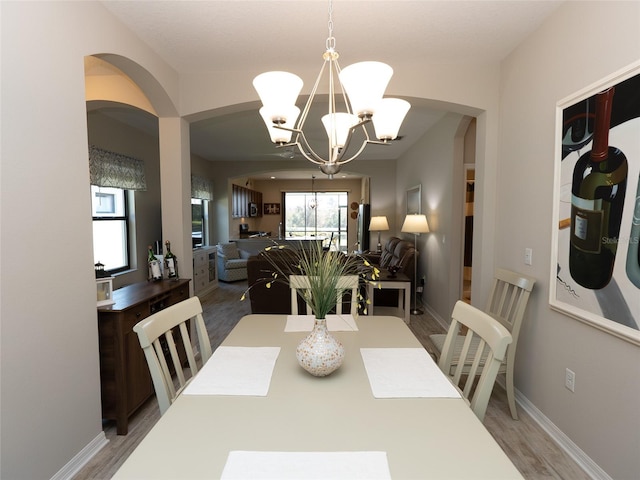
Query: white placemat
[
  {"x": 405, "y": 372},
  {"x": 335, "y": 323},
  {"x": 306, "y": 465},
  {"x": 236, "y": 371}
]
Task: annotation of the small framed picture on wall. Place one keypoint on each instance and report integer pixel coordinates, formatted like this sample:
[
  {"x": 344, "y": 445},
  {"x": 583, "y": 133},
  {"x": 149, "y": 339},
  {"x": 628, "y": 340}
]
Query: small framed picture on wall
[{"x": 271, "y": 209}]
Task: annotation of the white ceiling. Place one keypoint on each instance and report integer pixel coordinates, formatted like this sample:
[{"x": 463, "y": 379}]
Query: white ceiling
[{"x": 204, "y": 36}]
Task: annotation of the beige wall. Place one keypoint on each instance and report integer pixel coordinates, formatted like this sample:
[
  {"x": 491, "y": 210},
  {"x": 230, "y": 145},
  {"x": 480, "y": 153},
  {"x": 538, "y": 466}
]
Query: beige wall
[
  {"x": 50, "y": 391},
  {"x": 109, "y": 134},
  {"x": 601, "y": 417}
]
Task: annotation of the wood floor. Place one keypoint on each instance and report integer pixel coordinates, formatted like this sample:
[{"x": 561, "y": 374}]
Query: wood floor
[{"x": 530, "y": 449}]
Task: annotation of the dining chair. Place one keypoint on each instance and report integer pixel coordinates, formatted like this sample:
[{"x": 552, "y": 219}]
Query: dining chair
[
  {"x": 345, "y": 283},
  {"x": 507, "y": 303},
  {"x": 491, "y": 340},
  {"x": 156, "y": 335}
]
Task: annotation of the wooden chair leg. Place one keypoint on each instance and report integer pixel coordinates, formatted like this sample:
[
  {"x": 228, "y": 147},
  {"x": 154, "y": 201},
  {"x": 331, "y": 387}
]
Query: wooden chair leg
[{"x": 511, "y": 396}]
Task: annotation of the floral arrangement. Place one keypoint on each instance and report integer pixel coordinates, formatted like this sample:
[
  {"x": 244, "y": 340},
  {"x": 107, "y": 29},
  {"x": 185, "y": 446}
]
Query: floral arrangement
[{"x": 323, "y": 269}]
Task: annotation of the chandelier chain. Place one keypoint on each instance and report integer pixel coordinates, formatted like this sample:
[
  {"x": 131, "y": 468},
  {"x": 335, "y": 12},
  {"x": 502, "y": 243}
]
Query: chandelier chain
[{"x": 331, "y": 41}]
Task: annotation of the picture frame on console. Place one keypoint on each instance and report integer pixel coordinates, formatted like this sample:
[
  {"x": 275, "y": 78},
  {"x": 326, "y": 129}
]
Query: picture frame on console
[{"x": 595, "y": 254}]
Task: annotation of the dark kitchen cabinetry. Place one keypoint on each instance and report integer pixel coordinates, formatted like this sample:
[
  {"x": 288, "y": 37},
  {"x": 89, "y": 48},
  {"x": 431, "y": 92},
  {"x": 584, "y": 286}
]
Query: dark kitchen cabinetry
[{"x": 242, "y": 198}]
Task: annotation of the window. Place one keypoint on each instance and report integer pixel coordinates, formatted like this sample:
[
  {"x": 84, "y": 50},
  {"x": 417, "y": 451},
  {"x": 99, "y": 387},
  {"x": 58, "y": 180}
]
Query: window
[
  {"x": 110, "y": 232},
  {"x": 317, "y": 214},
  {"x": 198, "y": 221}
]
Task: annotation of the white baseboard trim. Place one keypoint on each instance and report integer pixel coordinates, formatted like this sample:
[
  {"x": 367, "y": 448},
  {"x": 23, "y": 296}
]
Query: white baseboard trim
[
  {"x": 82, "y": 458},
  {"x": 565, "y": 443}
]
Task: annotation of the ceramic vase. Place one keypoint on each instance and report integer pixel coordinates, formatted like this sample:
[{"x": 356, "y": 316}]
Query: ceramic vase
[{"x": 320, "y": 353}]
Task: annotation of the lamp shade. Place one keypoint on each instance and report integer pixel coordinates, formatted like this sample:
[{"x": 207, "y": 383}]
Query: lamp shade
[
  {"x": 379, "y": 224},
  {"x": 278, "y": 135},
  {"x": 337, "y": 126},
  {"x": 389, "y": 116},
  {"x": 365, "y": 83},
  {"x": 278, "y": 91},
  {"x": 415, "y": 223}
]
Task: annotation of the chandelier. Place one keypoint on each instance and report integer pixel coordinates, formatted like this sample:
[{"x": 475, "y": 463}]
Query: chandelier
[{"x": 361, "y": 87}]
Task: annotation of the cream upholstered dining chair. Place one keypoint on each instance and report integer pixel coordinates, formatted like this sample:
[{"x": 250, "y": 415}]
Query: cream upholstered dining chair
[
  {"x": 345, "y": 283},
  {"x": 507, "y": 303},
  {"x": 156, "y": 336},
  {"x": 491, "y": 340}
]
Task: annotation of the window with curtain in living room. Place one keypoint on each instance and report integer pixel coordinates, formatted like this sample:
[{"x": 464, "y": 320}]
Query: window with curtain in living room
[{"x": 113, "y": 177}]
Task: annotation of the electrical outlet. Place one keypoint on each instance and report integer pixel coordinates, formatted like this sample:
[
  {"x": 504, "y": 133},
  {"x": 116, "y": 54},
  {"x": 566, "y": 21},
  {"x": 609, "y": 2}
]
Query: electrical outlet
[
  {"x": 570, "y": 380},
  {"x": 528, "y": 256},
  {"x": 419, "y": 289}
]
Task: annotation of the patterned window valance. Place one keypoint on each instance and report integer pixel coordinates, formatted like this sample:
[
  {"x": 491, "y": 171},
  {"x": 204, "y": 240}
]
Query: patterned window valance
[
  {"x": 110, "y": 169},
  {"x": 201, "y": 188}
]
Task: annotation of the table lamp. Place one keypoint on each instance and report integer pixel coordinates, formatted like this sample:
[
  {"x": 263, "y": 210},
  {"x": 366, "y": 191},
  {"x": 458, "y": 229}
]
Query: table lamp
[
  {"x": 416, "y": 224},
  {"x": 379, "y": 224}
]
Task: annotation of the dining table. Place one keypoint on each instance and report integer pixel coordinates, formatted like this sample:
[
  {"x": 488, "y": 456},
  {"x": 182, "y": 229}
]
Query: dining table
[{"x": 253, "y": 412}]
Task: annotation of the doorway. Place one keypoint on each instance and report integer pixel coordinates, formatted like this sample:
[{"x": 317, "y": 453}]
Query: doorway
[{"x": 467, "y": 226}]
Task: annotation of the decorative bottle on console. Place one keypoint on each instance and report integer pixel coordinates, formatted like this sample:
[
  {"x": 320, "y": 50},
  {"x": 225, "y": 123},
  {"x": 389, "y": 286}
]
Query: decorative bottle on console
[
  {"x": 597, "y": 199},
  {"x": 170, "y": 262},
  {"x": 154, "y": 266}
]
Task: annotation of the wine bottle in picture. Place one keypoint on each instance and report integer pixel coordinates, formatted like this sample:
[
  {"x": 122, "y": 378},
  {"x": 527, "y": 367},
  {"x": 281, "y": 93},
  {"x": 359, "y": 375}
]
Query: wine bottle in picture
[
  {"x": 170, "y": 262},
  {"x": 597, "y": 198},
  {"x": 633, "y": 252},
  {"x": 154, "y": 266}
]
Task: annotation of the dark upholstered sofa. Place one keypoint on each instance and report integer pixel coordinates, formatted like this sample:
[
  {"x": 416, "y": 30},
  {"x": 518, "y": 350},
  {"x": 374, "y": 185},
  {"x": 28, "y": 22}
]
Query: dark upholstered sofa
[{"x": 396, "y": 252}]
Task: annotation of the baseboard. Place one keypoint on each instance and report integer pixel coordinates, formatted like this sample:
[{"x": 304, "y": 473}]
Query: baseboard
[
  {"x": 585, "y": 462},
  {"x": 82, "y": 458}
]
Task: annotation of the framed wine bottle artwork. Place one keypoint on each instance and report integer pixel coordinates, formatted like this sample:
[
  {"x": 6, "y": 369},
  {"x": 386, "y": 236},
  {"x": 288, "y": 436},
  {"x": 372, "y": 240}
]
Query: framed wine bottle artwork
[{"x": 595, "y": 254}]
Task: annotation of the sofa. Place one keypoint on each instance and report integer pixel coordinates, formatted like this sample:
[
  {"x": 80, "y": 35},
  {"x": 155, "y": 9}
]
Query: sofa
[
  {"x": 399, "y": 253},
  {"x": 232, "y": 262}
]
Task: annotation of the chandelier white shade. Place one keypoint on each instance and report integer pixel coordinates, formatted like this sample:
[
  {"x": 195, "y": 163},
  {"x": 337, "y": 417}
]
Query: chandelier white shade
[
  {"x": 359, "y": 88},
  {"x": 365, "y": 83}
]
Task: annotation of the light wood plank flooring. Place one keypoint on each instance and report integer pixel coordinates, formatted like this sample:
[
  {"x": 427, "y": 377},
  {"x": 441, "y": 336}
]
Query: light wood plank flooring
[{"x": 524, "y": 442}]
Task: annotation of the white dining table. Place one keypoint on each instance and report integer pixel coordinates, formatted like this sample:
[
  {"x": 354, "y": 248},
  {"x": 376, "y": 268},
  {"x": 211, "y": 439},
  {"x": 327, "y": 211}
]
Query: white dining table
[{"x": 420, "y": 437}]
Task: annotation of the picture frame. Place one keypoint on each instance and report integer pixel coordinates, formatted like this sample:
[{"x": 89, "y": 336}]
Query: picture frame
[
  {"x": 414, "y": 200},
  {"x": 606, "y": 298},
  {"x": 271, "y": 209}
]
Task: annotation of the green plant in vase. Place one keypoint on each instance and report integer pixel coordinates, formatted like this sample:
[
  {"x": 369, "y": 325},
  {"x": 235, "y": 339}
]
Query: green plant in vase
[{"x": 319, "y": 353}]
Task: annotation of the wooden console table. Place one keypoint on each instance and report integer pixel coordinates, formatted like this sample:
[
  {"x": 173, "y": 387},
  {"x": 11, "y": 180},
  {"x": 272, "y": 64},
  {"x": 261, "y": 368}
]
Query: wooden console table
[{"x": 124, "y": 375}]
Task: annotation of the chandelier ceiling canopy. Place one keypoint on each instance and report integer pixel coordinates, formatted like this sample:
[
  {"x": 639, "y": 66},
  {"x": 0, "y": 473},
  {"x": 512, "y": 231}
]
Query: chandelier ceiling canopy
[{"x": 358, "y": 89}]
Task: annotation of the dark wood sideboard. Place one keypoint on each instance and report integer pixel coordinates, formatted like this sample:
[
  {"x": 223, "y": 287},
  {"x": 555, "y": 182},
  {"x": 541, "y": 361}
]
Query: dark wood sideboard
[{"x": 124, "y": 375}]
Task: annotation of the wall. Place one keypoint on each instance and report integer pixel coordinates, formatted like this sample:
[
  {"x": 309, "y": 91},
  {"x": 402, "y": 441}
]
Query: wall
[
  {"x": 601, "y": 417},
  {"x": 435, "y": 162},
  {"x": 109, "y": 134},
  {"x": 50, "y": 392}
]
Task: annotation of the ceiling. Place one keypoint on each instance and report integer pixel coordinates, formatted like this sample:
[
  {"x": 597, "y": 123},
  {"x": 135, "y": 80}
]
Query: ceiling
[{"x": 204, "y": 36}]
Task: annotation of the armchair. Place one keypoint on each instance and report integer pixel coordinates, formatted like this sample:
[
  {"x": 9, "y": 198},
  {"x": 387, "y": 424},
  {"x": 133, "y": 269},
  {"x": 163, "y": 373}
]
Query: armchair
[
  {"x": 399, "y": 253},
  {"x": 232, "y": 262}
]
